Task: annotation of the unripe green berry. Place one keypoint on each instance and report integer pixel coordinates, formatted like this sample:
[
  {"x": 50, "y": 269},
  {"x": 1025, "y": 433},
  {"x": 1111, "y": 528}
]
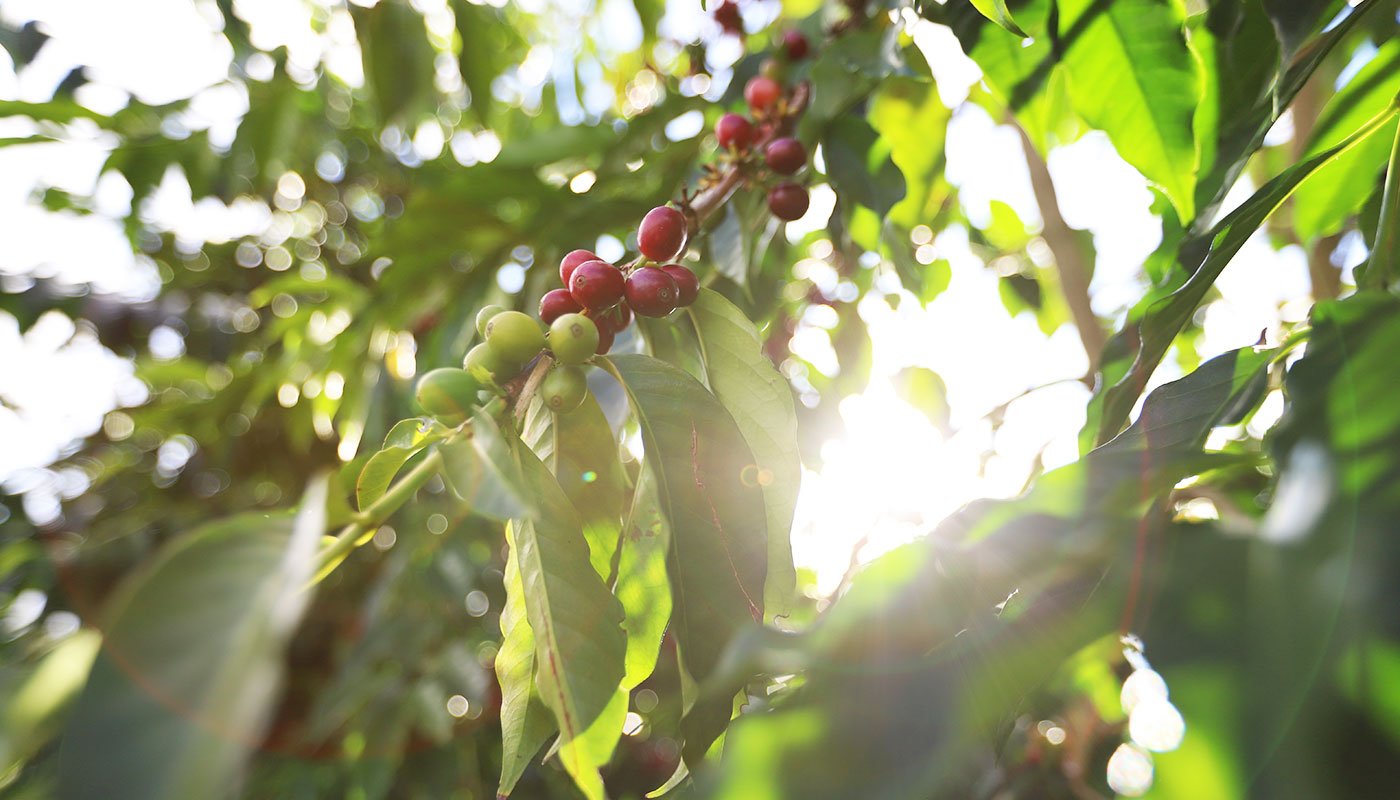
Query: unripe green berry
[
  {"x": 449, "y": 394},
  {"x": 563, "y": 389},
  {"x": 514, "y": 336},
  {"x": 485, "y": 365},
  {"x": 484, "y": 316},
  {"x": 573, "y": 338}
]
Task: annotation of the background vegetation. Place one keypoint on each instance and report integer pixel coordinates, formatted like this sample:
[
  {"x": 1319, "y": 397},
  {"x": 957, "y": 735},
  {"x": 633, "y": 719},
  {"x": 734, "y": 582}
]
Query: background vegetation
[{"x": 1236, "y": 525}]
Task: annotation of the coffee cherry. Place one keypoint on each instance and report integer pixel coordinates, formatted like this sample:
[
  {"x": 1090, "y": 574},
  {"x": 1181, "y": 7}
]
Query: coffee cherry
[
  {"x": 651, "y": 292},
  {"x": 785, "y": 156},
  {"x": 514, "y": 336},
  {"x": 615, "y": 319},
  {"x": 661, "y": 235},
  {"x": 762, "y": 93},
  {"x": 687, "y": 285},
  {"x": 484, "y": 316},
  {"x": 448, "y": 394},
  {"x": 788, "y": 201},
  {"x": 563, "y": 389},
  {"x": 734, "y": 133},
  {"x": 573, "y": 338},
  {"x": 596, "y": 285},
  {"x": 605, "y": 340},
  {"x": 795, "y": 45},
  {"x": 571, "y": 263},
  {"x": 729, "y": 17},
  {"x": 556, "y": 303},
  {"x": 486, "y": 365}
]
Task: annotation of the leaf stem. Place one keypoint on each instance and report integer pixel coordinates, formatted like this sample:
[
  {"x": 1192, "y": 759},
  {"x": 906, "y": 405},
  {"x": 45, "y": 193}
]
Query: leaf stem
[
  {"x": 369, "y": 519},
  {"x": 1385, "y": 252}
]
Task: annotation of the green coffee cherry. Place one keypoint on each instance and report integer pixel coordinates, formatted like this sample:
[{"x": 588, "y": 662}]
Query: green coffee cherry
[
  {"x": 484, "y": 316},
  {"x": 484, "y": 365},
  {"x": 563, "y": 389},
  {"x": 514, "y": 336},
  {"x": 448, "y": 394},
  {"x": 573, "y": 338}
]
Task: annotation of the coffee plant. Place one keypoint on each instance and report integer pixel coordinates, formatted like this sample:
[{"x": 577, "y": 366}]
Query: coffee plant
[{"x": 428, "y": 517}]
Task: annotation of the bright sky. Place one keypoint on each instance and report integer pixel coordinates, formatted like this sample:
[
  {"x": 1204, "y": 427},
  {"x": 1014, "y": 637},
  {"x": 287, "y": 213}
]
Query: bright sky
[{"x": 888, "y": 479}]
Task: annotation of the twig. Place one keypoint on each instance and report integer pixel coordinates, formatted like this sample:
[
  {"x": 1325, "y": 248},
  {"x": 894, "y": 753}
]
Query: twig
[
  {"x": 1070, "y": 257},
  {"x": 378, "y": 511},
  {"x": 699, "y": 207}
]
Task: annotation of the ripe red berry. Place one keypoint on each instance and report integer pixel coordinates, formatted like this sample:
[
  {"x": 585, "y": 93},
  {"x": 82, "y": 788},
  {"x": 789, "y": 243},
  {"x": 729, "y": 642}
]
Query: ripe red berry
[
  {"x": 795, "y": 45},
  {"x": 762, "y": 92},
  {"x": 651, "y": 292},
  {"x": 785, "y": 156},
  {"x": 788, "y": 201},
  {"x": 687, "y": 285},
  {"x": 596, "y": 285},
  {"x": 734, "y": 132},
  {"x": 729, "y": 18},
  {"x": 605, "y": 340},
  {"x": 620, "y": 317},
  {"x": 662, "y": 233},
  {"x": 571, "y": 262},
  {"x": 615, "y": 319},
  {"x": 556, "y": 303}
]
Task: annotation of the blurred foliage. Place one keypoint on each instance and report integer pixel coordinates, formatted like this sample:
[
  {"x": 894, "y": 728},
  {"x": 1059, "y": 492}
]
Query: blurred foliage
[{"x": 451, "y": 638}]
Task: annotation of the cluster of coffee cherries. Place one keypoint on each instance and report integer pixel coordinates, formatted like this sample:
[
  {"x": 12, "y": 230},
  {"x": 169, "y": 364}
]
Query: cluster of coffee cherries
[
  {"x": 610, "y": 295},
  {"x": 784, "y": 156},
  {"x": 582, "y": 320}
]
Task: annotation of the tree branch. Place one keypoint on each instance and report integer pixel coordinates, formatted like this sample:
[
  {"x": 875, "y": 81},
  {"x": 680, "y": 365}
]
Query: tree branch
[{"x": 1074, "y": 265}]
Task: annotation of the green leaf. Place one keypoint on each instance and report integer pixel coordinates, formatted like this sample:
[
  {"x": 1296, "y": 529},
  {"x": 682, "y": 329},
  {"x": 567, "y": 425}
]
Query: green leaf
[
  {"x": 729, "y": 246},
  {"x": 1246, "y": 113},
  {"x": 1163, "y": 319},
  {"x": 1341, "y": 400},
  {"x": 525, "y": 719},
  {"x": 642, "y": 587},
  {"x": 1295, "y": 20},
  {"x": 719, "y": 550},
  {"x": 913, "y": 121},
  {"x": 192, "y": 660},
  {"x": 1132, "y": 76},
  {"x": 579, "y": 643},
  {"x": 859, "y": 165},
  {"x": 1023, "y": 75},
  {"x": 1328, "y": 199},
  {"x": 398, "y": 61},
  {"x": 35, "y": 712},
  {"x": 478, "y": 472},
  {"x": 923, "y": 389},
  {"x": 582, "y": 451},
  {"x": 955, "y": 662},
  {"x": 405, "y": 440},
  {"x": 996, "y": 11},
  {"x": 60, "y": 109},
  {"x": 760, "y": 401}
]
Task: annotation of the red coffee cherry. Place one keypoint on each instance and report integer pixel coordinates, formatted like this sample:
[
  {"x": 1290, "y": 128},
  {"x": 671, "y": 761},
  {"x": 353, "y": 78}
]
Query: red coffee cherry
[
  {"x": 729, "y": 18},
  {"x": 788, "y": 201},
  {"x": 571, "y": 262},
  {"x": 762, "y": 93},
  {"x": 556, "y": 303},
  {"x": 615, "y": 319},
  {"x": 605, "y": 339},
  {"x": 734, "y": 132},
  {"x": 785, "y": 156},
  {"x": 596, "y": 285},
  {"x": 687, "y": 285},
  {"x": 795, "y": 45},
  {"x": 651, "y": 292},
  {"x": 662, "y": 233}
]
